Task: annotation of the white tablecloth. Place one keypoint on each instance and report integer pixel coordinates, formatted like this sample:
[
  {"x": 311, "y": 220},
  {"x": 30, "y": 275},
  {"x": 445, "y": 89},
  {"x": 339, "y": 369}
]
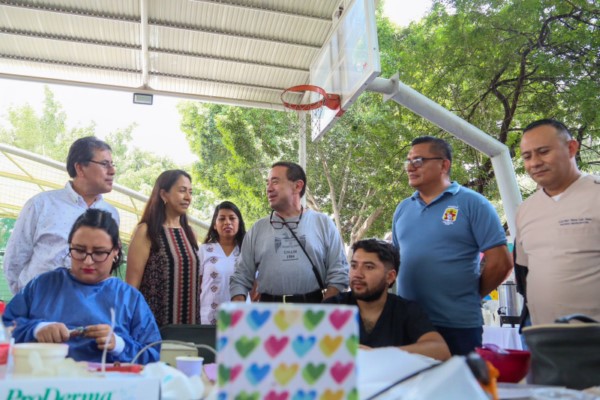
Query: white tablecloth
[{"x": 505, "y": 337}]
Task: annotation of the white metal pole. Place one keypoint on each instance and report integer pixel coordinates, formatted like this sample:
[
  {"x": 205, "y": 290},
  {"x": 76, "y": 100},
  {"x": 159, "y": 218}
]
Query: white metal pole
[
  {"x": 302, "y": 115},
  {"x": 505, "y": 175}
]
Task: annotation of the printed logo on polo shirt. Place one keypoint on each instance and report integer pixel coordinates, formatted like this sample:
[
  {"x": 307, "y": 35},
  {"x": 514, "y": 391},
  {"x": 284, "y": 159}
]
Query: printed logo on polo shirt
[{"x": 450, "y": 215}]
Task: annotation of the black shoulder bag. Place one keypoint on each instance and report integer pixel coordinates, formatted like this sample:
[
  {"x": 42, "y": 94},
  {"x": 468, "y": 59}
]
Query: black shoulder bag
[{"x": 314, "y": 268}]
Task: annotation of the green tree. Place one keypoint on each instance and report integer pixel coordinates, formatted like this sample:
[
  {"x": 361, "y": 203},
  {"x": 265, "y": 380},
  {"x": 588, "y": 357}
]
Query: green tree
[
  {"x": 49, "y": 135},
  {"x": 46, "y": 134},
  {"x": 236, "y": 147},
  {"x": 498, "y": 64},
  {"x": 504, "y": 63}
]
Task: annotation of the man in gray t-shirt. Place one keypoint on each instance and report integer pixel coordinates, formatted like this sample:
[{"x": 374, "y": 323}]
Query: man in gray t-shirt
[{"x": 296, "y": 251}]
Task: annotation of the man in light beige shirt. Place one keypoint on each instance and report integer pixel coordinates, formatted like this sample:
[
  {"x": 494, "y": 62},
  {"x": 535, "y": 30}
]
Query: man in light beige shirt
[{"x": 558, "y": 227}]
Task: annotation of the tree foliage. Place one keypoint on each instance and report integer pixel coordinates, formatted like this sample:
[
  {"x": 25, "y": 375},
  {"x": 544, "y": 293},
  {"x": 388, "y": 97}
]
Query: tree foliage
[
  {"x": 498, "y": 64},
  {"x": 49, "y": 135},
  {"x": 502, "y": 64},
  {"x": 236, "y": 147}
]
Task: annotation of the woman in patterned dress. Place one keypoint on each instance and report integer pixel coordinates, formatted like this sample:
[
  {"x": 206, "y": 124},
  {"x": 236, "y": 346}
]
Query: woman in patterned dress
[
  {"x": 218, "y": 256},
  {"x": 162, "y": 261}
]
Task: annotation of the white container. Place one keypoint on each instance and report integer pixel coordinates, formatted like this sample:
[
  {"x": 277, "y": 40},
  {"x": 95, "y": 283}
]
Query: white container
[
  {"x": 170, "y": 351},
  {"x": 191, "y": 366},
  {"x": 49, "y": 353}
]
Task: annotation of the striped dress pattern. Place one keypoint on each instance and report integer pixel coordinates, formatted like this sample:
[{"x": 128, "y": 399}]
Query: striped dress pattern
[{"x": 170, "y": 280}]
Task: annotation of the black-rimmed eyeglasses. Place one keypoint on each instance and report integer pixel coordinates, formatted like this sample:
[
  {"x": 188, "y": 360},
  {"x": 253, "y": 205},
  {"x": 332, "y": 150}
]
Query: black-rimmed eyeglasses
[
  {"x": 104, "y": 164},
  {"x": 81, "y": 255},
  {"x": 279, "y": 224},
  {"x": 418, "y": 162}
]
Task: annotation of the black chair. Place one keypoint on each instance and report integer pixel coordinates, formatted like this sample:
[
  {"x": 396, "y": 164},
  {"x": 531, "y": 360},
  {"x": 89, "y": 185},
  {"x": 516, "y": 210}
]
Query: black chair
[{"x": 197, "y": 334}]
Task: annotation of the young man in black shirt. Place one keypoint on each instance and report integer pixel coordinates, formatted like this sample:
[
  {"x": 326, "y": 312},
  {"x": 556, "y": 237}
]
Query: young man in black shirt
[{"x": 387, "y": 319}]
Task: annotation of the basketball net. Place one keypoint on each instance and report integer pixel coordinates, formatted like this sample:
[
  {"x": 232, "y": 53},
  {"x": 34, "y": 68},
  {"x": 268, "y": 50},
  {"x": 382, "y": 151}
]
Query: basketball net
[{"x": 307, "y": 101}]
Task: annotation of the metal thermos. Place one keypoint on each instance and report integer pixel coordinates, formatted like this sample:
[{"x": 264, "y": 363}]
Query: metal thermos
[{"x": 508, "y": 300}]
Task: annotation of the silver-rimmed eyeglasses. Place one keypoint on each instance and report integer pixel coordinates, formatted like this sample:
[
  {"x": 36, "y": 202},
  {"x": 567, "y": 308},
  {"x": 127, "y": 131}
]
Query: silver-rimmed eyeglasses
[
  {"x": 81, "y": 255},
  {"x": 104, "y": 164},
  {"x": 279, "y": 223},
  {"x": 418, "y": 162}
]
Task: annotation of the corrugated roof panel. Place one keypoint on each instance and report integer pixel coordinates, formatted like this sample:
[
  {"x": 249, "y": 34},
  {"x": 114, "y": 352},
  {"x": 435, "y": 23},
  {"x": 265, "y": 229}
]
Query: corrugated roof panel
[
  {"x": 227, "y": 18},
  {"x": 61, "y": 72},
  {"x": 195, "y": 46},
  {"x": 69, "y": 26},
  {"x": 225, "y": 47},
  {"x": 69, "y": 52}
]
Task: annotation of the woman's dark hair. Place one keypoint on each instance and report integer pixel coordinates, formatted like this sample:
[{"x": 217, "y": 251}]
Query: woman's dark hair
[
  {"x": 100, "y": 219},
  {"x": 155, "y": 214},
  {"x": 213, "y": 236}
]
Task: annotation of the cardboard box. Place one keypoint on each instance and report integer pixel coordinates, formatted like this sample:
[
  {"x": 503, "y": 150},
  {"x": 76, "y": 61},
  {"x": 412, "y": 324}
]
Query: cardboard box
[
  {"x": 287, "y": 351},
  {"x": 112, "y": 387}
]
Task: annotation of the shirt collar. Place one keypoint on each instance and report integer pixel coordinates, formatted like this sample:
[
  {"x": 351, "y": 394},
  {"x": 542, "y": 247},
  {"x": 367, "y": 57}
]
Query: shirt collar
[
  {"x": 76, "y": 197},
  {"x": 452, "y": 190}
]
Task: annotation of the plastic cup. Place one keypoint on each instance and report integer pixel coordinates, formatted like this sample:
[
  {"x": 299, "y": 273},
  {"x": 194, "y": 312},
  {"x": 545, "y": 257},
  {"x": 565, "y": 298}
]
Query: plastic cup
[
  {"x": 4, "y": 349},
  {"x": 191, "y": 366}
]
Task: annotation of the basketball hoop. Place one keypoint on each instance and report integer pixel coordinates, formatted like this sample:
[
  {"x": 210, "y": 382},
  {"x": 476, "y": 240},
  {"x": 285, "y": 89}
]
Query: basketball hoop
[{"x": 302, "y": 99}]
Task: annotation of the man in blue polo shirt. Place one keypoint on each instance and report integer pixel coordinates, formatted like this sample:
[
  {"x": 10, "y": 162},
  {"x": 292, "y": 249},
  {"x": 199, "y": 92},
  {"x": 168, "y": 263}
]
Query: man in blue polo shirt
[{"x": 440, "y": 231}]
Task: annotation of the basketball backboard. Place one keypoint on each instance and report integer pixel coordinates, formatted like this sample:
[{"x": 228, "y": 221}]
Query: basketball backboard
[{"x": 347, "y": 62}]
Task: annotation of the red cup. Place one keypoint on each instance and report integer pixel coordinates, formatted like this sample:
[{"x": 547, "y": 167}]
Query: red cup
[
  {"x": 4, "y": 349},
  {"x": 512, "y": 366}
]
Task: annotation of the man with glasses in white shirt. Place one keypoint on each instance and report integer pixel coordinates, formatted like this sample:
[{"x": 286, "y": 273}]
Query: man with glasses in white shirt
[
  {"x": 296, "y": 254},
  {"x": 38, "y": 242},
  {"x": 441, "y": 231}
]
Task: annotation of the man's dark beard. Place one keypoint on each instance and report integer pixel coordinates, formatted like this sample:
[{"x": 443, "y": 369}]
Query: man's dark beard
[{"x": 373, "y": 295}]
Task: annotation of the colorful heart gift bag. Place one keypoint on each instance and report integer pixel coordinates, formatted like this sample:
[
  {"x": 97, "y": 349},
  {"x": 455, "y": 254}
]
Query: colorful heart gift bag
[{"x": 287, "y": 352}]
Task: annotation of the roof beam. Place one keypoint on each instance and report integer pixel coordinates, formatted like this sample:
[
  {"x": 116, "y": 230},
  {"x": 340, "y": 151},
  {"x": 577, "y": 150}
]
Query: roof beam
[
  {"x": 135, "y": 71},
  {"x": 64, "y": 38},
  {"x": 145, "y": 57},
  {"x": 203, "y": 98}
]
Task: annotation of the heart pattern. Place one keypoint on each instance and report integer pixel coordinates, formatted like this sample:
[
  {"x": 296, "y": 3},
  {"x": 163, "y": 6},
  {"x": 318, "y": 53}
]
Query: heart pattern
[
  {"x": 272, "y": 395},
  {"x": 286, "y": 318},
  {"x": 338, "y": 318},
  {"x": 352, "y": 395},
  {"x": 302, "y": 345},
  {"x": 221, "y": 343},
  {"x": 329, "y": 345},
  {"x": 274, "y": 346},
  {"x": 312, "y": 319},
  {"x": 256, "y": 319},
  {"x": 302, "y": 395},
  {"x": 340, "y": 372},
  {"x": 352, "y": 344},
  {"x": 248, "y": 396},
  {"x": 332, "y": 395},
  {"x": 225, "y": 374},
  {"x": 245, "y": 345},
  {"x": 286, "y": 352},
  {"x": 312, "y": 372},
  {"x": 257, "y": 373},
  {"x": 284, "y": 373}
]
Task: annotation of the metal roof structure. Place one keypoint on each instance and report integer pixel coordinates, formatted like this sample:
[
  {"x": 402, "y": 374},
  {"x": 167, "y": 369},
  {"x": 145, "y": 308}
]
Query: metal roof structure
[
  {"x": 239, "y": 52},
  {"x": 24, "y": 174}
]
